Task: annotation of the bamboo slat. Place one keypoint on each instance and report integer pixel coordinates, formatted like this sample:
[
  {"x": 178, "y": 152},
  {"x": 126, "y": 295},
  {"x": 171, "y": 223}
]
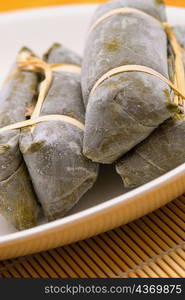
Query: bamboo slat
[{"x": 151, "y": 247}]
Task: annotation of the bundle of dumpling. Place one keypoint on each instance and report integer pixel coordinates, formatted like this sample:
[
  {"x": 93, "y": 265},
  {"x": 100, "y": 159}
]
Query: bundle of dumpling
[
  {"x": 161, "y": 152},
  {"x": 17, "y": 198},
  {"x": 52, "y": 149},
  {"x": 124, "y": 77}
]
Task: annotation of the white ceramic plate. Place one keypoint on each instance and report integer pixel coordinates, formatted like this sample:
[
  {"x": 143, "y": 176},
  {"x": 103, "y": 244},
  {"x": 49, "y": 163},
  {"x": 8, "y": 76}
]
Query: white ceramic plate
[{"x": 107, "y": 205}]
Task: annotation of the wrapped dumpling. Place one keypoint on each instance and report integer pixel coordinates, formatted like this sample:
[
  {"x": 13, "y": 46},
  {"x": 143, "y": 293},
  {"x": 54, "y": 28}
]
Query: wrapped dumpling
[
  {"x": 17, "y": 198},
  {"x": 161, "y": 152},
  {"x": 52, "y": 150},
  {"x": 125, "y": 107}
]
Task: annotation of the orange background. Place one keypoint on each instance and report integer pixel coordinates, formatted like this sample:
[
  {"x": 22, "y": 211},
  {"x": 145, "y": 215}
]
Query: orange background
[{"x": 17, "y": 4}]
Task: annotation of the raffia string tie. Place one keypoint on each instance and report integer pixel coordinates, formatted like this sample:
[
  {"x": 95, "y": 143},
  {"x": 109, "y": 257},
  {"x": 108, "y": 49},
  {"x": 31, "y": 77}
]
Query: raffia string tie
[
  {"x": 118, "y": 11},
  {"x": 179, "y": 78},
  {"x": 41, "y": 119},
  {"x": 136, "y": 68},
  {"x": 28, "y": 62}
]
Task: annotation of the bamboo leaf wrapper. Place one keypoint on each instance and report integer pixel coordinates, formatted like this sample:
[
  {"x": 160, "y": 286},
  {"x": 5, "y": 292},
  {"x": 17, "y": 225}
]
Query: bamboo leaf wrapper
[
  {"x": 53, "y": 151},
  {"x": 17, "y": 198},
  {"x": 126, "y": 108},
  {"x": 161, "y": 152}
]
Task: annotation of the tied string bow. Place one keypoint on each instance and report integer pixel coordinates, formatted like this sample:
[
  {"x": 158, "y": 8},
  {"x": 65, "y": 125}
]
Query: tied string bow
[{"x": 27, "y": 62}]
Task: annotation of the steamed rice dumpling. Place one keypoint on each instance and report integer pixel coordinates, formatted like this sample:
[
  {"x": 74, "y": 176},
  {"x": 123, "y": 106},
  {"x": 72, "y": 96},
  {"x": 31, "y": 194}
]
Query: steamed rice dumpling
[
  {"x": 17, "y": 198},
  {"x": 52, "y": 150},
  {"x": 161, "y": 152},
  {"x": 126, "y": 107}
]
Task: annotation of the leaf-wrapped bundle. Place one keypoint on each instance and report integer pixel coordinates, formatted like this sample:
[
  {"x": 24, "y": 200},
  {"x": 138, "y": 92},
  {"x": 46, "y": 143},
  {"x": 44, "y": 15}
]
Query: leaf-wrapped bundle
[
  {"x": 53, "y": 150},
  {"x": 125, "y": 108},
  {"x": 17, "y": 198},
  {"x": 161, "y": 152}
]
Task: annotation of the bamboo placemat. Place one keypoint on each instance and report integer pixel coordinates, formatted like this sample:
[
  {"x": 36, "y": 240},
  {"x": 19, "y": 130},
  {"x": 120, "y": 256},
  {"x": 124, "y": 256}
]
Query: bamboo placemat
[{"x": 151, "y": 247}]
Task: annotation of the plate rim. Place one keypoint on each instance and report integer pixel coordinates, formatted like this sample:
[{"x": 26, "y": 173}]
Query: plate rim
[{"x": 100, "y": 208}]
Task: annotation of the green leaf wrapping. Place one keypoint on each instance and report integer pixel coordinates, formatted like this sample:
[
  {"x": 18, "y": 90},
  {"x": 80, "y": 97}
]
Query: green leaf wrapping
[
  {"x": 126, "y": 108},
  {"x": 17, "y": 198},
  {"x": 53, "y": 151},
  {"x": 161, "y": 152}
]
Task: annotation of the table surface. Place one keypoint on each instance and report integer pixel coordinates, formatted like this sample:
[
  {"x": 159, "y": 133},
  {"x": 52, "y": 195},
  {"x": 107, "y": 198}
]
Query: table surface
[
  {"x": 153, "y": 246},
  {"x": 17, "y": 4}
]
